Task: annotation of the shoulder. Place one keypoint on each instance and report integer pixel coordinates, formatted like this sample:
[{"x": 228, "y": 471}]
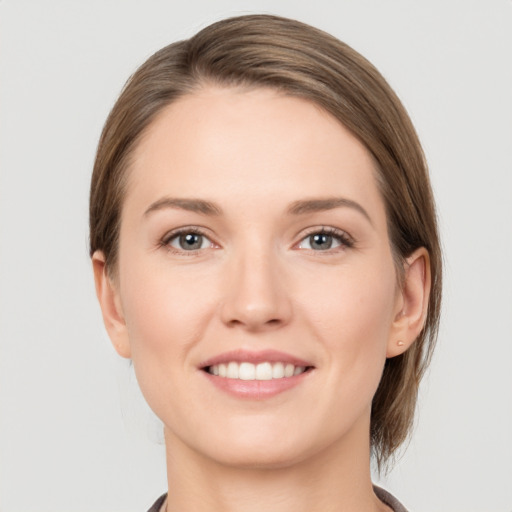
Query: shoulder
[
  {"x": 158, "y": 504},
  {"x": 389, "y": 499},
  {"x": 382, "y": 494}
]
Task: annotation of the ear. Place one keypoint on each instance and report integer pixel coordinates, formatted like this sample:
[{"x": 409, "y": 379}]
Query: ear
[
  {"x": 108, "y": 296},
  {"x": 411, "y": 304}
]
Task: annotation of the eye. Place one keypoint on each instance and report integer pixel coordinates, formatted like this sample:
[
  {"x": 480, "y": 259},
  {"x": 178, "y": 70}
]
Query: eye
[
  {"x": 325, "y": 239},
  {"x": 188, "y": 241}
]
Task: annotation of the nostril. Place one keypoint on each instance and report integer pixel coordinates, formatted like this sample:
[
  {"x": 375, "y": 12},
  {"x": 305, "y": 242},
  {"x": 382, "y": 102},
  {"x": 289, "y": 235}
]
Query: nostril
[
  {"x": 273, "y": 322},
  {"x": 234, "y": 323}
]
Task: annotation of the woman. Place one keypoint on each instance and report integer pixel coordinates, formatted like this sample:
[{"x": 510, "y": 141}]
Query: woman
[{"x": 265, "y": 250}]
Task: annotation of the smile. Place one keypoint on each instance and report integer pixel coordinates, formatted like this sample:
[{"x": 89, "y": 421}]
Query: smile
[
  {"x": 256, "y": 375},
  {"x": 262, "y": 371}
]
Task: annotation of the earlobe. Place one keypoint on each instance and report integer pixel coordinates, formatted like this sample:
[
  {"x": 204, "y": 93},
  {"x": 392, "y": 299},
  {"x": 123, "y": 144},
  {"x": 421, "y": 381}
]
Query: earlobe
[
  {"x": 110, "y": 304},
  {"x": 412, "y": 303}
]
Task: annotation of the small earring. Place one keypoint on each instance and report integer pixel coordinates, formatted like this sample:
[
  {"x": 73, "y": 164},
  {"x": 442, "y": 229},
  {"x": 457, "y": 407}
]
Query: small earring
[{"x": 400, "y": 343}]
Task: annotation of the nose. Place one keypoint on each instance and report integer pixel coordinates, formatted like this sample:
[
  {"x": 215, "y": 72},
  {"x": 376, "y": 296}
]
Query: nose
[{"x": 256, "y": 298}]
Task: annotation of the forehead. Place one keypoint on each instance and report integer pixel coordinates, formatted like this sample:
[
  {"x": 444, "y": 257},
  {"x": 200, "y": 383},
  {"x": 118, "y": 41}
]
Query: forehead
[{"x": 223, "y": 144}]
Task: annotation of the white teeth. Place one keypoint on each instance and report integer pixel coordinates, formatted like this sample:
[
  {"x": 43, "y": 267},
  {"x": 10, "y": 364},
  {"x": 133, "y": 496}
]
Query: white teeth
[
  {"x": 247, "y": 371},
  {"x": 232, "y": 371},
  {"x": 298, "y": 370},
  {"x": 288, "y": 370},
  {"x": 261, "y": 371},
  {"x": 264, "y": 371},
  {"x": 277, "y": 370}
]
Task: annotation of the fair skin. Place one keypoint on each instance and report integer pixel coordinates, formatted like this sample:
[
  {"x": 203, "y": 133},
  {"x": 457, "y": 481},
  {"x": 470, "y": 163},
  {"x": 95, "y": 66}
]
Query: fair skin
[{"x": 282, "y": 256}]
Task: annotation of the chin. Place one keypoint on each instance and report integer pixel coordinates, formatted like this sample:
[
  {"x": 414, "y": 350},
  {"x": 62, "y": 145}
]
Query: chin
[
  {"x": 258, "y": 458},
  {"x": 263, "y": 447}
]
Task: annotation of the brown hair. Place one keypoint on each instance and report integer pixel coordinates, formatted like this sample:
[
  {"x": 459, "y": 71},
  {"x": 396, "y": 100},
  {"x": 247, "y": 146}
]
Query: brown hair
[{"x": 301, "y": 61}]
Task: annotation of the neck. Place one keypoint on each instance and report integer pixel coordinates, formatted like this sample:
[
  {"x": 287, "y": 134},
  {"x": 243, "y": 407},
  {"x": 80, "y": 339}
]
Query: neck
[{"x": 335, "y": 480}]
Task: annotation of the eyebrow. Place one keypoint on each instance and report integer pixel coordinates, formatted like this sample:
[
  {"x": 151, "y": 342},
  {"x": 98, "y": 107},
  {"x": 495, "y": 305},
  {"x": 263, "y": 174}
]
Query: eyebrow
[
  {"x": 323, "y": 204},
  {"x": 191, "y": 205},
  {"x": 300, "y": 207}
]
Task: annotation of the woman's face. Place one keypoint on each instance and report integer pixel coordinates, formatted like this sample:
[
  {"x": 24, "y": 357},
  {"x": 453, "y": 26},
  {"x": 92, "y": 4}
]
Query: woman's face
[{"x": 253, "y": 245}]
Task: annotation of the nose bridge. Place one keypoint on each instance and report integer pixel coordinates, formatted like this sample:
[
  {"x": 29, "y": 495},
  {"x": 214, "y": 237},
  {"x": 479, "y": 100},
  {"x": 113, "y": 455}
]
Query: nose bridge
[{"x": 256, "y": 297}]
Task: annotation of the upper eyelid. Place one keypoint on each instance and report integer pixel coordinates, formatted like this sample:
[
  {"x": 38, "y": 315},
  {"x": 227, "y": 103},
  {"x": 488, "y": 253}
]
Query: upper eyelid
[
  {"x": 165, "y": 241},
  {"x": 329, "y": 230},
  {"x": 200, "y": 230},
  {"x": 322, "y": 229}
]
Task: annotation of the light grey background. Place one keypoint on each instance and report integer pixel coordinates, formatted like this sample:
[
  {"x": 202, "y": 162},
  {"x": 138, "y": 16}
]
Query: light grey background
[{"x": 64, "y": 445}]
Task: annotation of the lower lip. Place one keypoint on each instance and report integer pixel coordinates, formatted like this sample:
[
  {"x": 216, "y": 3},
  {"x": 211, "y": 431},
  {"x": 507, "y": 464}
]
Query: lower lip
[{"x": 255, "y": 389}]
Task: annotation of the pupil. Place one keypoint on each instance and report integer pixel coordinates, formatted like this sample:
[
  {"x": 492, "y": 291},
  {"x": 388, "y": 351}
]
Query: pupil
[
  {"x": 191, "y": 241},
  {"x": 321, "y": 241}
]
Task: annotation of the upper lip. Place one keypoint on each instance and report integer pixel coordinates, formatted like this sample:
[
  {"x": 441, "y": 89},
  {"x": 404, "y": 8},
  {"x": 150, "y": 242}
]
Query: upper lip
[{"x": 255, "y": 357}]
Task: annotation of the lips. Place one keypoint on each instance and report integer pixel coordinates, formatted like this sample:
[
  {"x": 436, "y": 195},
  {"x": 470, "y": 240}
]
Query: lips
[
  {"x": 261, "y": 356},
  {"x": 255, "y": 375}
]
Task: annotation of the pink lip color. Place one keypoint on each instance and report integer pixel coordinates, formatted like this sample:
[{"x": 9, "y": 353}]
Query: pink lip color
[
  {"x": 255, "y": 389},
  {"x": 241, "y": 356}
]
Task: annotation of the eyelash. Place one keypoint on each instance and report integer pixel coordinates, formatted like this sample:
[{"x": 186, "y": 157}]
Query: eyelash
[
  {"x": 346, "y": 242},
  {"x": 191, "y": 230}
]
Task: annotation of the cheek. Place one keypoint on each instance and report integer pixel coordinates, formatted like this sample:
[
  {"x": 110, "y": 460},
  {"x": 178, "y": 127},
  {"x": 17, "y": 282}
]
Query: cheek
[
  {"x": 165, "y": 311},
  {"x": 166, "y": 316},
  {"x": 353, "y": 317},
  {"x": 353, "y": 322},
  {"x": 357, "y": 301}
]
